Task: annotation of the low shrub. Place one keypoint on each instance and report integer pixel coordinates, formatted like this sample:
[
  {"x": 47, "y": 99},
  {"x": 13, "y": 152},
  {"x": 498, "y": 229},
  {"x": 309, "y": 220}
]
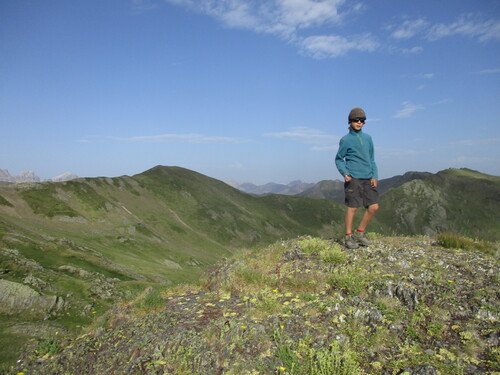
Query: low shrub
[{"x": 454, "y": 241}]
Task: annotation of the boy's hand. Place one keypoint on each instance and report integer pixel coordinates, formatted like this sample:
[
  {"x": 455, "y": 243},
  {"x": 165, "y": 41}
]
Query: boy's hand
[
  {"x": 347, "y": 178},
  {"x": 374, "y": 183}
]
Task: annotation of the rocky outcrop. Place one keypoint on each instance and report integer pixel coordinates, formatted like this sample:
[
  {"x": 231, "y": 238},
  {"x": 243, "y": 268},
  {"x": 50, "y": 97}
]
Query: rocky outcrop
[
  {"x": 401, "y": 306},
  {"x": 24, "y": 176},
  {"x": 16, "y": 298}
]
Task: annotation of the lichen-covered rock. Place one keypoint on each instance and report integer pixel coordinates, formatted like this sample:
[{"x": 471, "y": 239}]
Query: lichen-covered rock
[{"x": 16, "y": 298}]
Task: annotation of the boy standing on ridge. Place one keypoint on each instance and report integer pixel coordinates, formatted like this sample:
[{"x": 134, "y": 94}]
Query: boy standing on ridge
[{"x": 355, "y": 161}]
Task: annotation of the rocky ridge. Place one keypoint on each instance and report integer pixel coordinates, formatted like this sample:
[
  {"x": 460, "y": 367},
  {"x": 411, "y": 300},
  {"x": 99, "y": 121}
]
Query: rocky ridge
[{"x": 402, "y": 306}]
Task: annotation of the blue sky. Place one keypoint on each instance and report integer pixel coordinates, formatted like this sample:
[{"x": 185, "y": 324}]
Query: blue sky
[{"x": 247, "y": 90}]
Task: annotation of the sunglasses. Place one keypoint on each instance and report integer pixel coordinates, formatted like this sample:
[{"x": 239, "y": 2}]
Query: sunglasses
[{"x": 359, "y": 119}]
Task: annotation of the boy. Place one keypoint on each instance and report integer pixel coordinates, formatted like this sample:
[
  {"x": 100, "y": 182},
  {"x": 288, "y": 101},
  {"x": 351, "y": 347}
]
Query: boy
[{"x": 355, "y": 161}]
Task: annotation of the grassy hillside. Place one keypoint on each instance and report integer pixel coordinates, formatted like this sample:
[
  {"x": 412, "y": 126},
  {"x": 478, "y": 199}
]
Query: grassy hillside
[
  {"x": 304, "y": 306},
  {"x": 462, "y": 201},
  {"x": 94, "y": 241}
]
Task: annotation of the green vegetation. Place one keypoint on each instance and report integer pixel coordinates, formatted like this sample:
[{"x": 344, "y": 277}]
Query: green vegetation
[
  {"x": 5, "y": 202},
  {"x": 42, "y": 200},
  {"x": 454, "y": 241},
  {"x": 282, "y": 309}
]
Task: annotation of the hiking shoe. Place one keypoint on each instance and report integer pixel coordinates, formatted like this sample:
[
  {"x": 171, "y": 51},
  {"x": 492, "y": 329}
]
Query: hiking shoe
[
  {"x": 350, "y": 243},
  {"x": 361, "y": 239}
]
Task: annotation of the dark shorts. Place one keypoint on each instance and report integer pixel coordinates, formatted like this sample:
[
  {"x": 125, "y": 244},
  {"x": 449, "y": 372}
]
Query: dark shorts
[{"x": 359, "y": 193}]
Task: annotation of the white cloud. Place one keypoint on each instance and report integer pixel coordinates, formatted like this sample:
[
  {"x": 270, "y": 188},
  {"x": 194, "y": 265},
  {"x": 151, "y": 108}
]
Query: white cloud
[
  {"x": 408, "y": 110},
  {"x": 325, "y": 46},
  {"x": 282, "y": 17},
  {"x": 409, "y": 29},
  {"x": 468, "y": 25},
  {"x": 309, "y": 136},
  {"x": 288, "y": 19},
  {"x": 296, "y": 21},
  {"x": 413, "y": 50}
]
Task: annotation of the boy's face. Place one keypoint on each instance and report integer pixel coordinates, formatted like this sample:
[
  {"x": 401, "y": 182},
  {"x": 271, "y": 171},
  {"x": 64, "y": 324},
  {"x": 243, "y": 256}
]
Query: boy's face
[{"x": 357, "y": 124}]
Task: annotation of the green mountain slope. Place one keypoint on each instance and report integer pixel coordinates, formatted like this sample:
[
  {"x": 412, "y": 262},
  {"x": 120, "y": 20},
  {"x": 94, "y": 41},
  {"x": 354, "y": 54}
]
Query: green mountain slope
[
  {"x": 70, "y": 250},
  {"x": 462, "y": 201}
]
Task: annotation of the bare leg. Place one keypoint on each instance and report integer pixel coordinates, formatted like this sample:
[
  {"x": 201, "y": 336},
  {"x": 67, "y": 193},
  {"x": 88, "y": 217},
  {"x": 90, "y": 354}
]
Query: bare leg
[
  {"x": 349, "y": 218},
  {"x": 367, "y": 217}
]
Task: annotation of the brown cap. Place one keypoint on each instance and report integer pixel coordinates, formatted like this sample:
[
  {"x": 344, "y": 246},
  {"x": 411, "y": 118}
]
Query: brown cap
[{"x": 356, "y": 113}]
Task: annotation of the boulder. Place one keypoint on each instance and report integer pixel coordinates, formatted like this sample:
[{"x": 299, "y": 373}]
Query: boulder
[{"x": 16, "y": 298}]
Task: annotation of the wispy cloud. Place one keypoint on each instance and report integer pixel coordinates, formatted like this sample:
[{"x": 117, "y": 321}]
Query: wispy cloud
[
  {"x": 412, "y": 51},
  {"x": 324, "y": 46},
  {"x": 139, "y": 6},
  {"x": 318, "y": 138},
  {"x": 289, "y": 20},
  {"x": 407, "y": 110},
  {"x": 297, "y": 22},
  {"x": 409, "y": 28},
  {"x": 468, "y": 25},
  {"x": 162, "y": 138},
  {"x": 443, "y": 101},
  {"x": 490, "y": 71},
  {"x": 282, "y": 17}
]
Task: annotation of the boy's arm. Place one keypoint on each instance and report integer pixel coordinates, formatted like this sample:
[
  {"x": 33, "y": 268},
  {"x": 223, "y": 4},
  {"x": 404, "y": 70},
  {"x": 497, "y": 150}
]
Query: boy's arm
[
  {"x": 372, "y": 162},
  {"x": 340, "y": 160}
]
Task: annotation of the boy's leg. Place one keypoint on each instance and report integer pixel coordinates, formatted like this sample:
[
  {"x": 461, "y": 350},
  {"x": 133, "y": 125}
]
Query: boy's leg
[
  {"x": 367, "y": 217},
  {"x": 359, "y": 236},
  {"x": 349, "y": 218},
  {"x": 349, "y": 242}
]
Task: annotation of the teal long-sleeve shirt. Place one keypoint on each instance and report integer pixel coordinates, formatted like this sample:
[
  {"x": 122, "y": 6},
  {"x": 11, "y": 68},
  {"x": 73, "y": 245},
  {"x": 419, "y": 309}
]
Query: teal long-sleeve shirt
[{"x": 356, "y": 156}]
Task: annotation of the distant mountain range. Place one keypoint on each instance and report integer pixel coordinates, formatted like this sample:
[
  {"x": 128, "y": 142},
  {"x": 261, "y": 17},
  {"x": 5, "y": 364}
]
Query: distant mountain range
[
  {"x": 30, "y": 176},
  {"x": 292, "y": 188}
]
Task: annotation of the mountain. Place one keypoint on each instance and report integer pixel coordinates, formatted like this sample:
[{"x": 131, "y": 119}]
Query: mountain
[
  {"x": 30, "y": 176},
  {"x": 327, "y": 189},
  {"x": 292, "y": 188},
  {"x": 24, "y": 176},
  {"x": 461, "y": 201},
  {"x": 68, "y": 176},
  {"x": 70, "y": 250},
  {"x": 303, "y": 306},
  {"x": 389, "y": 183}
]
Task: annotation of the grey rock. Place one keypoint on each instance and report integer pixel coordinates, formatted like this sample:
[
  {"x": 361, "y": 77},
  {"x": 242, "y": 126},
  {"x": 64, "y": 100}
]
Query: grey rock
[{"x": 16, "y": 298}]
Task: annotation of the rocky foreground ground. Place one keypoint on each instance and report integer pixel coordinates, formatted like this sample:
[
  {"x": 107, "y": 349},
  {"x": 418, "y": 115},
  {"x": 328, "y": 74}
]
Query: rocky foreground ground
[{"x": 304, "y": 306}]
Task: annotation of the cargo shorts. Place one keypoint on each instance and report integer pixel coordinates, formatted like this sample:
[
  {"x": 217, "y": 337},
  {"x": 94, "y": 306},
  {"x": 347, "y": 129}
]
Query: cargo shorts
[{"x": 360, "y": 193}]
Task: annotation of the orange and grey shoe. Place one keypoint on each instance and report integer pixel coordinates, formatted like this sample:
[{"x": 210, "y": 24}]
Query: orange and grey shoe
[
  {"x": 350, "y": 242},
  {"x": 361, "y": 239}
]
